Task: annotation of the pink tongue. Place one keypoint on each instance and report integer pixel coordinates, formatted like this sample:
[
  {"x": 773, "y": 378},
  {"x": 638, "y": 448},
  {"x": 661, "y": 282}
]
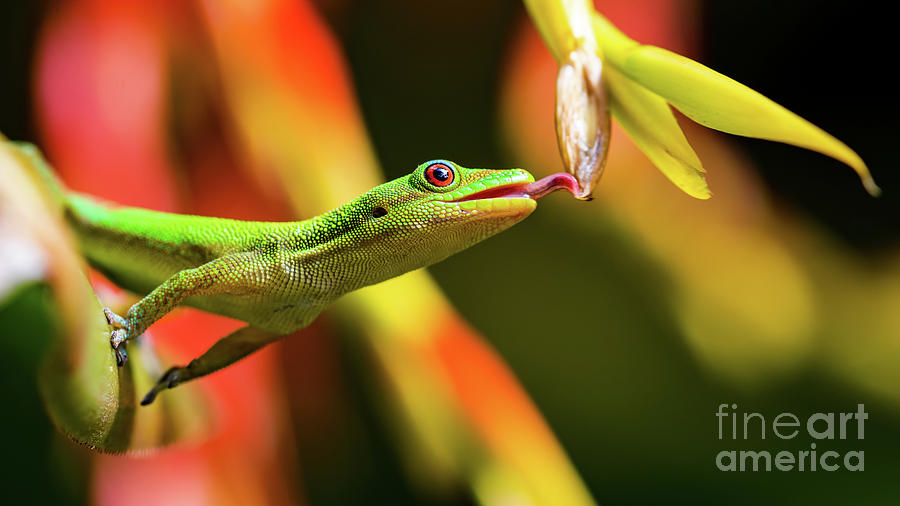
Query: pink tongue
[{"x": 549, "y": 184}]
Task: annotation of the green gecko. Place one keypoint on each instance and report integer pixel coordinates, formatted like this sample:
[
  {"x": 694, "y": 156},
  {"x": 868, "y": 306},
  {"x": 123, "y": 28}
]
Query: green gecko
[{"x": 278, "y": 276}]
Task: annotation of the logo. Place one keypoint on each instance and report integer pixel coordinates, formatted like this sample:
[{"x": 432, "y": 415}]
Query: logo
[{"x": 818, "y": 429}]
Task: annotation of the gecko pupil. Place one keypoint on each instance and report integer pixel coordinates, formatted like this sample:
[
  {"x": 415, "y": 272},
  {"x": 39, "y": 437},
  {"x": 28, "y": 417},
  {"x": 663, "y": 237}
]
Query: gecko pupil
[{"x": 439, "y": 174}]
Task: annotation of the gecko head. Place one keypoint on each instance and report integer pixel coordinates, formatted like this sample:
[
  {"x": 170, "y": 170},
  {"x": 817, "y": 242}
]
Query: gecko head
[{"x": 443, "y": 208}]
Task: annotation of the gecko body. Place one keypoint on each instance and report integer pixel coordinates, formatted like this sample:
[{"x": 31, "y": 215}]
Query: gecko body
[{"x": 278, "y": 276}]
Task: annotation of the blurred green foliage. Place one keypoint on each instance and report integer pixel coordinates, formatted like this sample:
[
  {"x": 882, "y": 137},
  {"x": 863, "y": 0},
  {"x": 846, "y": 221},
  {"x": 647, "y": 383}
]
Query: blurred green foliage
[{"x": 40, "y": 465}]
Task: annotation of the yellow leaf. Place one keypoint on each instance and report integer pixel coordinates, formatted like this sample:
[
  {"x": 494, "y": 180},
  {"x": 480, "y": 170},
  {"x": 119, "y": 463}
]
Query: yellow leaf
[
  {"x": 717, "y": 101},
  {"x": 649, "y": 121},
  {"x": 614, "y": 43},
  {"x": 562, "y": 24}
]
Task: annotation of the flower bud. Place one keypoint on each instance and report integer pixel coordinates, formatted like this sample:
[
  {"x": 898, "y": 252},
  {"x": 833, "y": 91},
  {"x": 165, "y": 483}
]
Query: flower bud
[{"x": 582, "y": 118}]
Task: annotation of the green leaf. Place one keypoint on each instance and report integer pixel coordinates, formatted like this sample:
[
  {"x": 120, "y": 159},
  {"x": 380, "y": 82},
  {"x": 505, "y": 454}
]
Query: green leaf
[
  {"x": 649, "y": 121},
  {"x": 717, "y": 101},
  {"x": 87, "y": 396}
]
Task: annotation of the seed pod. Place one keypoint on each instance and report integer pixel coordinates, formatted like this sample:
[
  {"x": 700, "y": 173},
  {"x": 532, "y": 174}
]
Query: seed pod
[{"x": 582, "y": 118}]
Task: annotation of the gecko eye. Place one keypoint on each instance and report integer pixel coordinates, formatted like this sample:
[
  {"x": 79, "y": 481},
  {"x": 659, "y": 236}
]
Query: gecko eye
[
  {"x": 439, "y": 174},
  {"x": 378, "y": 212}
]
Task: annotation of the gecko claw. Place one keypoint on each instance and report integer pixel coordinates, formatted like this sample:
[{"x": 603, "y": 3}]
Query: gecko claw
[
  {"x": 117, "y": 341},
  {"x": 121, "y": 355},
  {"x": 118, "y": 336},
  {"x": 170, "y": 379}
]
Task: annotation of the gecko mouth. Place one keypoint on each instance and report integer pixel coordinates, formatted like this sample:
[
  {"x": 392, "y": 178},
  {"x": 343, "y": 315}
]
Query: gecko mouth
[{"x": 534, "y": 190}]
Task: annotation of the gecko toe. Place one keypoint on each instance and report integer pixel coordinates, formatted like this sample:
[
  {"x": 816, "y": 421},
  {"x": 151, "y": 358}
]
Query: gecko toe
[
  {"x": 113, "y": 319},
  {"x": 170, "y": 379},
  {"x": 149, "y": 398}
]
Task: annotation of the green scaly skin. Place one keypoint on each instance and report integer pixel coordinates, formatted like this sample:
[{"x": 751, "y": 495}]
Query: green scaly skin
[{"x": 278, "y": 277}]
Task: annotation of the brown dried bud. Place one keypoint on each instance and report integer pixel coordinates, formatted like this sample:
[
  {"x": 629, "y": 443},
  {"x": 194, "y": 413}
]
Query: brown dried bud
[{"x": 582, "y": 118}]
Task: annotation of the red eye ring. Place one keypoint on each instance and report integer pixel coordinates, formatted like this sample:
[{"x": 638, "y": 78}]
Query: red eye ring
[{"x": 439, "y": 174}]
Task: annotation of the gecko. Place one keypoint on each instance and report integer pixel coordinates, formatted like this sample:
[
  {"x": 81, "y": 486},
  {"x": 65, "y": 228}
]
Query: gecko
[{"x": 279, "y": 276}]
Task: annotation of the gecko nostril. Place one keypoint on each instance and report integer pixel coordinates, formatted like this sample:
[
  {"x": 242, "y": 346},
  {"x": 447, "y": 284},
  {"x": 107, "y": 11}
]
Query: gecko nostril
[{"x": 379, "y": 212}]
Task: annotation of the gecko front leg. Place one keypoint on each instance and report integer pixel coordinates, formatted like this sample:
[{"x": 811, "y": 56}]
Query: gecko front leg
[{"x": 233, "y": 274}]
